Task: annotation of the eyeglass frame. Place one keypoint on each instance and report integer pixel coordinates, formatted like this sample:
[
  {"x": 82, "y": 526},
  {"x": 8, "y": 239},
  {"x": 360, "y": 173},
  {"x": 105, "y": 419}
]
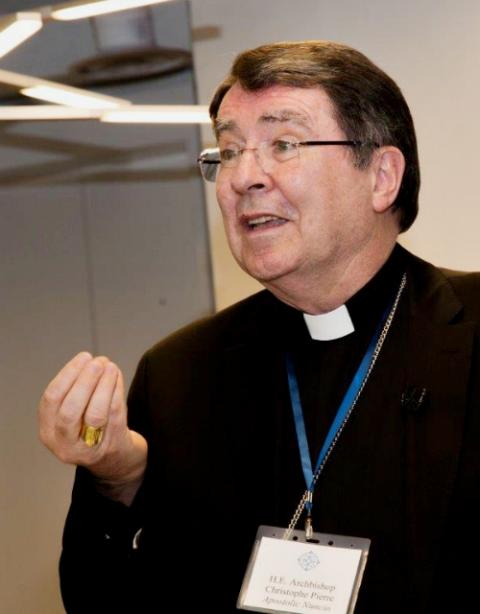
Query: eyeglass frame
[{"x": 203, "y": 161}]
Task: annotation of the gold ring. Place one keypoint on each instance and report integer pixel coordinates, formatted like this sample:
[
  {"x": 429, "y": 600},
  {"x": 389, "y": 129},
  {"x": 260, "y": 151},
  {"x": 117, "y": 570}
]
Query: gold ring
[{"x": 92, "y": 435}]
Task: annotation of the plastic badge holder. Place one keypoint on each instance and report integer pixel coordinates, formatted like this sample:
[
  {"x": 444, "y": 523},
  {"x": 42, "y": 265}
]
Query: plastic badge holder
[{"x": 358, "y": 548}]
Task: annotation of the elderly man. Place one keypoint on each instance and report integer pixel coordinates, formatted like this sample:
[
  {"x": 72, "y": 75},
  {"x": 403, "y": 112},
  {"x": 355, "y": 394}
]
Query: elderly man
[{"x": 346, "y": 394}]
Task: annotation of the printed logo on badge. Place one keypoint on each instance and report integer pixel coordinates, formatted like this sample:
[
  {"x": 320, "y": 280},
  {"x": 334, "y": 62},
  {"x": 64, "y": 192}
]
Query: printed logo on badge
[{"x": 308, "y": 560}]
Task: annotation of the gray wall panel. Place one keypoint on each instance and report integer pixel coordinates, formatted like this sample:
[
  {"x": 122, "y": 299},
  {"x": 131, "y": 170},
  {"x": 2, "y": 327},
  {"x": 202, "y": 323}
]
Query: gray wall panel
[{"x": 103, "y": 246}]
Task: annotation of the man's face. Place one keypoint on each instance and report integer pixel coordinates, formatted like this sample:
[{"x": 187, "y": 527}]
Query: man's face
[{"x": 284, "y": 220}]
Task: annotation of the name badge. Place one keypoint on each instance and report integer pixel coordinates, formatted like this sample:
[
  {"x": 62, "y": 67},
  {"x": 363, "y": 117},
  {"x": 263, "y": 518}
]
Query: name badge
[{"x": 322, "y": 574}]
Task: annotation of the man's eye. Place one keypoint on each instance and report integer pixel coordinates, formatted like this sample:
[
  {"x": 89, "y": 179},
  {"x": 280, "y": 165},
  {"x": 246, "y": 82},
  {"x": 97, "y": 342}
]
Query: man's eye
[
  {"x": 226, "y": 155},
  {"x": 282, "y": 146}
]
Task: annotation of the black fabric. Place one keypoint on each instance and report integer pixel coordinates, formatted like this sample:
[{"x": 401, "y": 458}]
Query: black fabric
[
  {"x": 325, "y": 368},
  {"x": 213, "y": 402}
]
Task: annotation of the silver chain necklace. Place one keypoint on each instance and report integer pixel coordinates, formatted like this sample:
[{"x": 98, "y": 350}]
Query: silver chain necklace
[{"x": 386, "y": 327}]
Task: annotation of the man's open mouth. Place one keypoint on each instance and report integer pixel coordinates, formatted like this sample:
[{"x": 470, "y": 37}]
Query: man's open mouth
[{"x": 264, "y": 221}]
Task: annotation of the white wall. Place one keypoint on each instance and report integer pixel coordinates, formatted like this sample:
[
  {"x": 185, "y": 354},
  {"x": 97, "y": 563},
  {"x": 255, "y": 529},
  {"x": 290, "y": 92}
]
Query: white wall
[{"x": 430, "y": 47}]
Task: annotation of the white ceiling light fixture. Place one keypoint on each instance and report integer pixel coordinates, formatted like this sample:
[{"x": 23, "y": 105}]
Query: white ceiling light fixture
[
  {"x": 82, "y": 10},
  {"x": 158, "y": 114},
  {"x": 45, "y": 112},
  {"x": 16, "y": 29},
  {"x": 43, "y": 89},
  {"x": 71, "y": 97},
  {"x": 163, "y": 114}
]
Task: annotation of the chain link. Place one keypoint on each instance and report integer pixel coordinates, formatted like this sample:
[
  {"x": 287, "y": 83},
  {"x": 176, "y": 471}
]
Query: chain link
[{"x": 386, "y": 327}]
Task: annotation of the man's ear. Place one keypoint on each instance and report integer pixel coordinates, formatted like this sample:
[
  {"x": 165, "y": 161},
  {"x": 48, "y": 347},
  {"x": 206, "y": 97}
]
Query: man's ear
[{"x": 388, "y": 166}]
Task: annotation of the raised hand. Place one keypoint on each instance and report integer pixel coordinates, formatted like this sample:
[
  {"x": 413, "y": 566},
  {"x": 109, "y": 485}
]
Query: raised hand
[{"x": 89, "y": 392}]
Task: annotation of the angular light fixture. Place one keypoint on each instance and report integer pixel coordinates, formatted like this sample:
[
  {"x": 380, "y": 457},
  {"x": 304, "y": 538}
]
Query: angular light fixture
[
  {"x": 43, "y": 89},
  {"x": 72, "y": 102},
  {"x": 81, "y": 10},
  {"x": 71, "y": 97},
  {"x": 45, "y": 112},
  {"x": 158, "y": 114},
  {"x": 16, "y": 29}
]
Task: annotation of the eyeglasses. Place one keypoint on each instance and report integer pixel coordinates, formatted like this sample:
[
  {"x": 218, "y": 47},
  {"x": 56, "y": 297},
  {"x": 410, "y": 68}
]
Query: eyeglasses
[{"x": 279, "y": 150}]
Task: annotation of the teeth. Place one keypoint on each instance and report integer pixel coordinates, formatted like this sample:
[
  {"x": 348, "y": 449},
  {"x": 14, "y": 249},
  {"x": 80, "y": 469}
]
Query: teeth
[{"x": 262, "y": 219}]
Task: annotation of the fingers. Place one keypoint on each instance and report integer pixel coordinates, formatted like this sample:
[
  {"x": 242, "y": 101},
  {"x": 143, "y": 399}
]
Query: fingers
[
  {"x": 64, "y": 380},
  {"x": 82, "y": 392},
  {"x": 69, "y": 416},
  {"x": 98, "y": 408},
  {"x": 56, "y": 391}
]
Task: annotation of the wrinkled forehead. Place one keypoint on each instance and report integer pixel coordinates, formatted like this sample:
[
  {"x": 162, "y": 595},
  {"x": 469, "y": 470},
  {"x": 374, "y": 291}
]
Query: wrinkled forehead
[{"x": 242, "y": 110}]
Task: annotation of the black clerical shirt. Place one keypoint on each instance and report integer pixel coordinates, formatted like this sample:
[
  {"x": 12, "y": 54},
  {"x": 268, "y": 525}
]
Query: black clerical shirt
[{"x": 214, "y": 475}]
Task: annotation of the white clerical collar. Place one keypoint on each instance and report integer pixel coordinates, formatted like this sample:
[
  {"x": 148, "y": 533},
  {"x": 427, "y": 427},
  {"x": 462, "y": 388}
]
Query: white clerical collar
[{"x": 332, "y": 325}]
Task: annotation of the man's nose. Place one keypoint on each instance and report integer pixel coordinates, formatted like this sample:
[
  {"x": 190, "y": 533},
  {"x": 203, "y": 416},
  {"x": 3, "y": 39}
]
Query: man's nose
[{"x": 252, "y": 171}]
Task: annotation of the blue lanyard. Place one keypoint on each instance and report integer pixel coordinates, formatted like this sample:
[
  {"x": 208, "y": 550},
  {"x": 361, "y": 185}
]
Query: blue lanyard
[{"x": 342, "y": 413}]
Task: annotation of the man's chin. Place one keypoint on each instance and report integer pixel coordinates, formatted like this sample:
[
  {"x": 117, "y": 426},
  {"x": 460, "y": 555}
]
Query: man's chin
[{"x": 267, "y": 272}]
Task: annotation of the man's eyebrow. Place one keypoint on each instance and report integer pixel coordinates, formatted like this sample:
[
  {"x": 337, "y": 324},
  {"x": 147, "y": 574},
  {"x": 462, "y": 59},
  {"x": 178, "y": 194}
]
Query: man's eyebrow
[
  {"x": 286, "y": 115},
  {"x": 223, "y": 125}
]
